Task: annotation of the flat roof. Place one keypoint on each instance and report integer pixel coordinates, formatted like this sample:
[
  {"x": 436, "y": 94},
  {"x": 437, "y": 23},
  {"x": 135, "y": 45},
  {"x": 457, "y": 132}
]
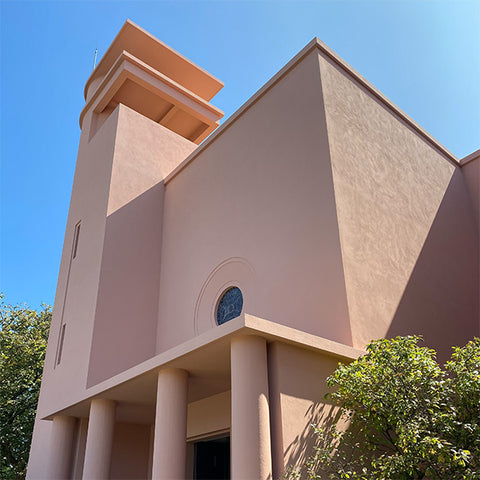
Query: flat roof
[{"x": 161, "y": 57}]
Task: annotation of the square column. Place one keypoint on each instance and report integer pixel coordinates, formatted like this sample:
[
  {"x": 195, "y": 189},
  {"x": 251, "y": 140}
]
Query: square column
[
  {"x": 170, "y": 435},
  {"x": 61, "y": 447},
  {"x": 251, "y": 450},
  {"x": 98, "y": 450}
]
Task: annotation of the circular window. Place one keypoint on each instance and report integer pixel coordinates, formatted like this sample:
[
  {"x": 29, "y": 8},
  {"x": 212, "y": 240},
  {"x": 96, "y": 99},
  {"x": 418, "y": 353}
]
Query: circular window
[{"x": 230, "y": 305}]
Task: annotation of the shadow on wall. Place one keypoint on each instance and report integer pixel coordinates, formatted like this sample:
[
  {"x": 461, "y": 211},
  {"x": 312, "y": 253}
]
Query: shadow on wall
[
  {"x": 441, "y": 300},
  {"x": 301, "y": 448},
  {"x": 127, "y": 303}
]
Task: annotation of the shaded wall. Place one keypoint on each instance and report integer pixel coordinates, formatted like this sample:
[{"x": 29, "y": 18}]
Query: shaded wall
[
  {"x": 471, "y": 173},
  {"x": 131, "y": 451},
  {"x": 394, "y": 192},
  {"x": 440, "y": 300},
  {"x": 296, "y": 390},
  {"x": 209, "y": 415},
  {"x": 127, "y": 303}
]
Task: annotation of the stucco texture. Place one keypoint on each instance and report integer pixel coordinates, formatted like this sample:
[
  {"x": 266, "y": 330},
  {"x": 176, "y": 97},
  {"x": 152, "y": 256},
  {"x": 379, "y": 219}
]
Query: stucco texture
[
  {"x": 389, "y": 186},
  {"x": 262, "y": 192}
]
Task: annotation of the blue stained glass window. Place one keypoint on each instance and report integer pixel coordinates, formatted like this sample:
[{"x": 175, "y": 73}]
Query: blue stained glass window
[{"x": 230, "y": 305}]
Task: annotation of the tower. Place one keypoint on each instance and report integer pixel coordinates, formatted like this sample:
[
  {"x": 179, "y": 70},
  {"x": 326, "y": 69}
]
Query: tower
[{"x": 147, "y": 108}]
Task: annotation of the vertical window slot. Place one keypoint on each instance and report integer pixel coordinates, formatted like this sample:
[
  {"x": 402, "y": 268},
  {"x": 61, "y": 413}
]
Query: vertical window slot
[
  {"x": 76, "y": 234},
  {"x": 60, "y": 345}
]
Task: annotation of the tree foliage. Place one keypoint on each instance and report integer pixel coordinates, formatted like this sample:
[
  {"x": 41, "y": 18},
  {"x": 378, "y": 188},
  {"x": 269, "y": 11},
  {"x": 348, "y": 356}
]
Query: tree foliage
[
  {"x": 408, "y": 417},
  {"x": 23, "y": 341}
]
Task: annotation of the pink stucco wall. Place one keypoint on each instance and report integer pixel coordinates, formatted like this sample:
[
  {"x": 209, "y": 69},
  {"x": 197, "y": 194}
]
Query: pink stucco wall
[
  {"x": 261, "y": 192},
  {"x": 297, "y": 389},
  {"x": 130, "y": 456},
  {"x": 127, "y": 304},
  {"x": 402, "y": 209},
  {"x": 77, "y": 288},
  {"x": 471, "y": 172}
]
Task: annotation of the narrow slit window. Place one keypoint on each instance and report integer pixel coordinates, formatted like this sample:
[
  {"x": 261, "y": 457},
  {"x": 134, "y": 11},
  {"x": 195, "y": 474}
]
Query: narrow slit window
[
  {"x": 60, "y": 344},
  {"x": 76, "y": 234}
]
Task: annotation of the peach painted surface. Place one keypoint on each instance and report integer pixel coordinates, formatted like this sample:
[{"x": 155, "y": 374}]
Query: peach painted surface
[
  {"x": 261, "y": 192},
  {"x": 75, "y": 306},
  {"x": 471, "y": 172},
  {"x": 401, "y": 210},
  {"x": 131, "y": 444},
  {"x": 127, "y": 303},
  {"x": 297, "y": 388},
  {"x": 251, "y": 456},
  {"x": 153, "y": 52},
  {"x": 209, "y": 416}
]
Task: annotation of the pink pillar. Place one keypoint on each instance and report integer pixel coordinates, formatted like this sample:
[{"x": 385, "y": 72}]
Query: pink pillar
[
  {"x": 98, "y": 450},
  {"x": 170, "y": 436},
  {"x": 61, "y": 447},
  {"x": 251, "y": 451}
]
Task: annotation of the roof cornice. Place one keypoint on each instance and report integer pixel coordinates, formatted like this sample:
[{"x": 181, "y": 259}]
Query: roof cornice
[{"x": 317, "y": 44}]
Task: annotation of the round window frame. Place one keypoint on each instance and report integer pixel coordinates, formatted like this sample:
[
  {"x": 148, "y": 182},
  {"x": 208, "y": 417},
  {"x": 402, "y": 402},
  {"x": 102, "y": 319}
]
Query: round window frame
[{"x": 223, "y": 291}]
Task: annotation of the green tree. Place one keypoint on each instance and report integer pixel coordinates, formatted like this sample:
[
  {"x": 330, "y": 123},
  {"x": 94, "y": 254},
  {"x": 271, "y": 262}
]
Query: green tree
[
  {"x": 408, "y": 418},
  {"x": 23, "y": 341}
]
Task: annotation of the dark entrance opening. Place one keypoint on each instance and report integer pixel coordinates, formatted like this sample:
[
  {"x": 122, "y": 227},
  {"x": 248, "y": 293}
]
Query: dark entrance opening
[{"x": 212, "y": 459}]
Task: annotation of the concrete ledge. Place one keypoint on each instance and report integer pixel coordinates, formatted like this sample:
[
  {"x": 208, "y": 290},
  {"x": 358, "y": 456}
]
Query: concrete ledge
[{"x": 190, "y": 354}]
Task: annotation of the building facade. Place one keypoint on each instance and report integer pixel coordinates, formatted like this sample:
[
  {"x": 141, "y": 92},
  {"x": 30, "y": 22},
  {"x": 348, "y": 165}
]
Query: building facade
[{"x": 212, "y": 278}]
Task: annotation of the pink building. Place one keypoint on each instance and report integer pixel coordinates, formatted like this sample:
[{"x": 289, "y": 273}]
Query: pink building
[{"x": 206, "y": 290}]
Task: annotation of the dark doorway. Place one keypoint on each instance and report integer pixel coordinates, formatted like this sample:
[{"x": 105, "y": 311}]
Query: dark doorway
[{"x": 212, "y": 459}]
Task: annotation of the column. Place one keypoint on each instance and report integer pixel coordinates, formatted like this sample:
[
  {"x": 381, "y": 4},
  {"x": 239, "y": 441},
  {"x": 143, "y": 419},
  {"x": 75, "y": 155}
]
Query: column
[
  {"x": 170, "y": 435},
  {"x": 101, "y": 424},
  {"x": 251, "y": 451},
  {"x": 61, "y": 447}
]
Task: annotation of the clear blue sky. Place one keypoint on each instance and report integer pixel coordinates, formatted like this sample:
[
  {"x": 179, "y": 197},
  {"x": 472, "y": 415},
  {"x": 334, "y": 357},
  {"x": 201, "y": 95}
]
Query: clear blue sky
[{"x": 423, "y": 55}]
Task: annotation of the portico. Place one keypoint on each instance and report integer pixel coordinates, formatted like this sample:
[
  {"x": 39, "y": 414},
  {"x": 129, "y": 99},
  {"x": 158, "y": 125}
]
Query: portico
[{"x": 216, "y": 384}]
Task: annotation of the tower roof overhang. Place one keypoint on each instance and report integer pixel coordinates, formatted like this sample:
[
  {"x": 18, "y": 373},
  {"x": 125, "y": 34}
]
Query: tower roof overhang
[
  {"x": 138, "y": 85},
  {"x": 158, "y": 55}
]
